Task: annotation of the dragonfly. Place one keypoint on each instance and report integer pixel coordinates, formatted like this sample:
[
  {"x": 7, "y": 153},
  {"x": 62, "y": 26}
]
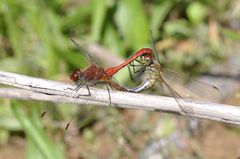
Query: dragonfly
[
  {"x": 95, "y": 74},
  {"x": 157, "y": 74}
]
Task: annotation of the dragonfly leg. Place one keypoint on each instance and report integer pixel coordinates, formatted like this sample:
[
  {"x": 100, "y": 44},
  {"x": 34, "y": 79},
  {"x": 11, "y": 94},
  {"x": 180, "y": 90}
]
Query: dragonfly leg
[
  {"x": 139, "y": 72},
  {"x": 89, "y": 93},
  {"x": 138, "y": 65},
  {"x": 79, "y": 86},
  {"x": 109, "y": 96},
  {"x": 130, "y": 73}
]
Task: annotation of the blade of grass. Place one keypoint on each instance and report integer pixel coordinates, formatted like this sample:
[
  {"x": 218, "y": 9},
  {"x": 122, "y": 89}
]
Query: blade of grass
[
  {"x": 32, "y": 151},
  {"x": 159, "y": 13},
  {"x": 99, "y": 11},
  {"x": 13, "y": 30},
  {"x": 76, "y": 18},
  {"x": 132, "y": 23},
  {"x": 36, "y": 134}
]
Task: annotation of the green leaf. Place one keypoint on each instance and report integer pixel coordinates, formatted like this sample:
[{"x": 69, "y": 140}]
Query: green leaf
[
  {"x": 234, "y": 35},
  {"x": 35, "y": 133},
  {"x": 99, "y": 11},
  {"x": 76, "y": 18},
  {"x": 178, "y": 28},
  {"x": 159, "y": 13},
  {"x": 112, "y": 40},
  {"x": 132, "y": 23},
  {"x": 196, "y": 12}
]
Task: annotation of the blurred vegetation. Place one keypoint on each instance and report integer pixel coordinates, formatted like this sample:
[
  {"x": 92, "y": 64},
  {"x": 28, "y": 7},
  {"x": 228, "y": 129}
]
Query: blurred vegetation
[{"x": 34, "y": 40}]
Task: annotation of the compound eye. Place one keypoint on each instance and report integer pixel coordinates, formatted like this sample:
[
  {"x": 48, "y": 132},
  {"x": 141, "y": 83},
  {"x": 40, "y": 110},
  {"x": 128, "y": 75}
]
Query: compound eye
[
  {"x": 148, "y": 59},
  {"x": 75, "y": 75}
]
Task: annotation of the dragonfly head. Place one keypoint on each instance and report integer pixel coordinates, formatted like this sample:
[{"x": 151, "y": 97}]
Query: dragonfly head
[
  {"x": 76, "y": 75},
  {"x": 146, "y": 59}
]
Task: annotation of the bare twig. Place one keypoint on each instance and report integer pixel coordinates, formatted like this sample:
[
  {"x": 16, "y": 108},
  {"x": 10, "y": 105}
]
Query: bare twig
[{"x": 47, "y": 90}]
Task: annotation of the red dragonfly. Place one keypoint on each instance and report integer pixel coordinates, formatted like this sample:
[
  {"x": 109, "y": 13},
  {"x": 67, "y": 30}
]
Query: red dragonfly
[
  {"x": 150, "y": 63},
  {"x": 94, "y": 74}
]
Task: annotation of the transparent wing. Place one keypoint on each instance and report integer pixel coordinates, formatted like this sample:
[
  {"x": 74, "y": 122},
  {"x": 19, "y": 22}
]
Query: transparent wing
[
  {"x": 61, "y": 107},
  {"x": 192, "y": 88},
  {"x": 155, "y": 53},
  {"x": 168, "y": 89},
  {"x": 178, "y": 98},
  {"x": 88, "y": 56}
]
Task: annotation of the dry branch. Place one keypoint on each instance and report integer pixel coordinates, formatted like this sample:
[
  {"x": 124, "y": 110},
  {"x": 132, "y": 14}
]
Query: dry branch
[{"x": 47, "y": 90}]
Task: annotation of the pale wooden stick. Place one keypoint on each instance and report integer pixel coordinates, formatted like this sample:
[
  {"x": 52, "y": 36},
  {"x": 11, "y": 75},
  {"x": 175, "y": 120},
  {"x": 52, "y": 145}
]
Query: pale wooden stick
[{"x": 41, "y": 89}]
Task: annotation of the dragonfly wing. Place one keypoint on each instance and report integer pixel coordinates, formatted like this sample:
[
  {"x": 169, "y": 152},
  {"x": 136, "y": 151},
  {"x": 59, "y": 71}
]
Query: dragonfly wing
[
  {"x": 192, "y": 88},
  {"x": 58, "y": 110},
  {"x": 155, "y": 53},
  {"x": 167, "y": 89},
  {"x": 178, "y": 98},
  {"x": 87, "y": 55}
]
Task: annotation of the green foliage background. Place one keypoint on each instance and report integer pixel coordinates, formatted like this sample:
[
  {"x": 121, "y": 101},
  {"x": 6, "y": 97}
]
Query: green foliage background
[{"x": 34, "y": 40}]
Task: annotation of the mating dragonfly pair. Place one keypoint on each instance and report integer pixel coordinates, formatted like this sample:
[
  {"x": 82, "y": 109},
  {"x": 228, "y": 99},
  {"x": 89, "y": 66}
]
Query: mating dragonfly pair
[{"x": 145, "y": 61}]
